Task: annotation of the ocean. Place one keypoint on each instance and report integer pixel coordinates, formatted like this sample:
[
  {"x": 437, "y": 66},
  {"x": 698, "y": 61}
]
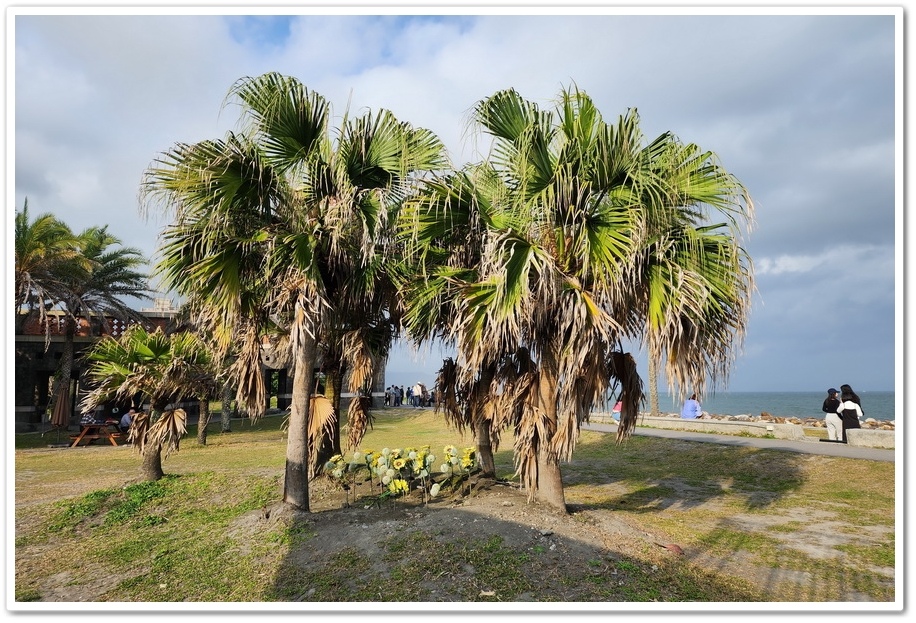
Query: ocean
[{"x": 877, "y": 405}]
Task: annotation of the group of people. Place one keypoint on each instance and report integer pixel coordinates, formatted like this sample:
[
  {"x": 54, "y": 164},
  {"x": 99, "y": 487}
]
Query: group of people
[
  {"x": 415, "y": 396},
  {"x": 843, "y": 413}
]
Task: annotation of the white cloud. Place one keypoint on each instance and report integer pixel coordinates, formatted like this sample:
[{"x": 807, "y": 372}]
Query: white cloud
[{"x": 801, "y": 109}]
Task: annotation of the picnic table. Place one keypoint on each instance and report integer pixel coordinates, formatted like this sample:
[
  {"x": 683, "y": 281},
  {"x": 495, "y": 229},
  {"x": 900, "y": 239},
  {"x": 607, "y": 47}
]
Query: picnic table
[{"x": 97, "y": 430}]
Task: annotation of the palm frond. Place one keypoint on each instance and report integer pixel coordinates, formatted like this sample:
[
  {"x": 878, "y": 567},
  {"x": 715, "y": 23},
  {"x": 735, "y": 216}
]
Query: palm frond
[
  {"x": 359, "y": 420},
  {"x": 167, "y": 431}
]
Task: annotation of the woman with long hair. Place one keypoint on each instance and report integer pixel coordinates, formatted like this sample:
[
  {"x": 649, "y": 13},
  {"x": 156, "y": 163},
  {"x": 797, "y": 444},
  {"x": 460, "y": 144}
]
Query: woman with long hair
[{"x": 850, "y": 409}]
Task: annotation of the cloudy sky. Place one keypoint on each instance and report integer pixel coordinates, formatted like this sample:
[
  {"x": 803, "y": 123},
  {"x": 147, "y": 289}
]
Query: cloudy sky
[{"x": 802, "y": 107}]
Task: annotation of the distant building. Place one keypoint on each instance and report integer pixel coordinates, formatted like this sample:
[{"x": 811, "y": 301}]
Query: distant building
[{"x": 38, "y": 355}]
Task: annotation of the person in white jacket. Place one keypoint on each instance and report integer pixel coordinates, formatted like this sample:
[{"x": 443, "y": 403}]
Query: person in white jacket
[{"x": 850, "y": 409}]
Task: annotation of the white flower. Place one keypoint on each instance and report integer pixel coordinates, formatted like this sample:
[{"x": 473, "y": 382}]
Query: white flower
[
  {"x": 386, "y": 480},
  {"x": 386, "y": 451},
  {"x": 357, "y": 457},
  {"x": 454, "y": 460},
  {"x": 423, "y": 473},
  {"x": 430, "y": 458},
  {"x": 390, "y": 473},
  {"x": 445, "y": 467},
  {"x": 412, "y": 455},
  {"x": 434, "y": 490},
  {"x": 338, "y": 473}
]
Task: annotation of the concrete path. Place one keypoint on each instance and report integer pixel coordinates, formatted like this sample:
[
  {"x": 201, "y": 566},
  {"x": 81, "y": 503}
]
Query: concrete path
[{"x": 809, "y": 447}]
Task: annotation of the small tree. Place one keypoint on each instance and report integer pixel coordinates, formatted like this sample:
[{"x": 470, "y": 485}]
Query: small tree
[{"x": 162, "y": 368}]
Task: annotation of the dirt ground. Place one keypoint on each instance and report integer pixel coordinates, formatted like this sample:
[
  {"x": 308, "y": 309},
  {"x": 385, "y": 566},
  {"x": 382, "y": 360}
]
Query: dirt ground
[{"x": 585, "y": 533}]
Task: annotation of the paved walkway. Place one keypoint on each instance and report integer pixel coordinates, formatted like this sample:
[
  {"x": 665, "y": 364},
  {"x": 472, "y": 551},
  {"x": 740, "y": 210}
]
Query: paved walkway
[{"x": 808, "y": 447}]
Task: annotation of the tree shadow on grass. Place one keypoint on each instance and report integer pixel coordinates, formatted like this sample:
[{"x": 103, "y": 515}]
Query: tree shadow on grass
[
  {"x": 491, "y": 546},
  {"x": 646, "y": 474}
]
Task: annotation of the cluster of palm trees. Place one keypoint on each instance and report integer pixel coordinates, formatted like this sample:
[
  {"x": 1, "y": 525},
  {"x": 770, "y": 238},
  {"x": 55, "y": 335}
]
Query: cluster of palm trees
[
  {"x": 574, "y": 237},
  {"x": 85, "y": 275}
]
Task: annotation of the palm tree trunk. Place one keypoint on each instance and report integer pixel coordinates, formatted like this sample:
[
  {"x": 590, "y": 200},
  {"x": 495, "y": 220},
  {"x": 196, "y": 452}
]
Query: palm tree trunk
[
  {"x": 296, "y": 482},
  {"x": 203, "y": 420},
  {"x": 482, "y": 426},
  {"x": 485, "y": 450},
  {"x": 62, "y": 379},
  {"x": 226, "y": 412},
  {"x": 549, "y": 478},
  {"x": 653, "y": 387},
  {"x": 151, "y": 464}
]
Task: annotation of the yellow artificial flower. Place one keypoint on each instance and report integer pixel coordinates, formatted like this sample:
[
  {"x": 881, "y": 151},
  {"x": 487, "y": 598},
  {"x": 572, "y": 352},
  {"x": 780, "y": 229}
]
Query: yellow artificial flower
[{"x": 398, "y": 486}]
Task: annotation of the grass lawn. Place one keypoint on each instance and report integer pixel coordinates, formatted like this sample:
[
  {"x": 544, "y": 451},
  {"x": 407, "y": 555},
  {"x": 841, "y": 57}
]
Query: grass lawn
[{"x": 758, "y": 526}]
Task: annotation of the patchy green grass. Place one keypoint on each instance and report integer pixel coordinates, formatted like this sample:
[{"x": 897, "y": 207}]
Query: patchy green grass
[{"x": 184, "y": 538}]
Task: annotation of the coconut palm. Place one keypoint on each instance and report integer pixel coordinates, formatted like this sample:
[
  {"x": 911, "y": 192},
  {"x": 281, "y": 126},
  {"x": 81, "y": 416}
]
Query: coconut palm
[
  {"x": 556, "y": 293},
  {"x": 162, "y": 369},
  {"x": 272, "y": 221}
]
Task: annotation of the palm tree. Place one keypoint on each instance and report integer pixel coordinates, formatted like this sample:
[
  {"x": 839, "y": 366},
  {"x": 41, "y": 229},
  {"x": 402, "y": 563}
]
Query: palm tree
[
  {"x": 44, "y": 248},
  {"x": 444, "y": 233},
  {"x": 271, "y": 222},
  {"x": 696, "y": 278},
  {"x": 555, "y": 293},
  {"x": 161, "y": 368},
  {"x": 96, "y": 286}
]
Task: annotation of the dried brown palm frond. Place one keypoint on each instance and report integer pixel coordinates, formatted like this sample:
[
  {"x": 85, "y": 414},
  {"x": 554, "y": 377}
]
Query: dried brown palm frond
[
  {"x": 322, "y": 419},
  {"x": 447, "y": 387},
  {"x": 622, "y": 366},
  {"x": 139, "y": 426},
  {"x": 358, "y": 353},
  {"x": 251, "y": 391},
  {"x": 359, "y": 420},
  {"x": 454, "y": 398},
  {"x": 169, "y": 429},
  {"x": 532, "y": 435}
]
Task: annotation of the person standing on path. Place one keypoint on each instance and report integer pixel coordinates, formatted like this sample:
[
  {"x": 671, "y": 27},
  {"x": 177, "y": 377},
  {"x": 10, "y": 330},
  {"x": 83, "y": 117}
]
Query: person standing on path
[
  {"x": 692, "y": 409},
  {"x": 832, "y": 420},
  {"x": 850, "y": 409}
]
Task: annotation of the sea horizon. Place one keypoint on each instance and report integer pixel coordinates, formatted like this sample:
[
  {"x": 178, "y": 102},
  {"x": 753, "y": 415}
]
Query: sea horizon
[{"x": 880, "y": 405}]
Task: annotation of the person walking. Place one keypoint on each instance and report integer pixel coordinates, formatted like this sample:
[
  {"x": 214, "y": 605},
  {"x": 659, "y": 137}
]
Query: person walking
[
  {"x": 850, "y": 409},
  {"x": 833, "y": 421},
  {"x": 692, "y": 409}
]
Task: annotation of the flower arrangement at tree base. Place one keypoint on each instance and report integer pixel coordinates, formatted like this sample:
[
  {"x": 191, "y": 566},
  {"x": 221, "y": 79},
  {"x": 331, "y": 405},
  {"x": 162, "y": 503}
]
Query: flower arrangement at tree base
[{"x": 394, "y": 473}]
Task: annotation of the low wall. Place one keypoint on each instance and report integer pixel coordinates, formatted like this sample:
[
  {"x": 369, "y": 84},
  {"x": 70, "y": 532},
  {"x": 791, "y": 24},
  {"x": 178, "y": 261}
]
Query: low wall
[
  {"x": 725, "y": 427},
  {"x": 866, "y": 438},
  {"x": 861, "y": 437}
]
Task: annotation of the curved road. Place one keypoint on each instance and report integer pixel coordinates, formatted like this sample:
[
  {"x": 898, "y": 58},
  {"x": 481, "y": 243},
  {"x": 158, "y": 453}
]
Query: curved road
[{"x": 807, "y": 447}]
